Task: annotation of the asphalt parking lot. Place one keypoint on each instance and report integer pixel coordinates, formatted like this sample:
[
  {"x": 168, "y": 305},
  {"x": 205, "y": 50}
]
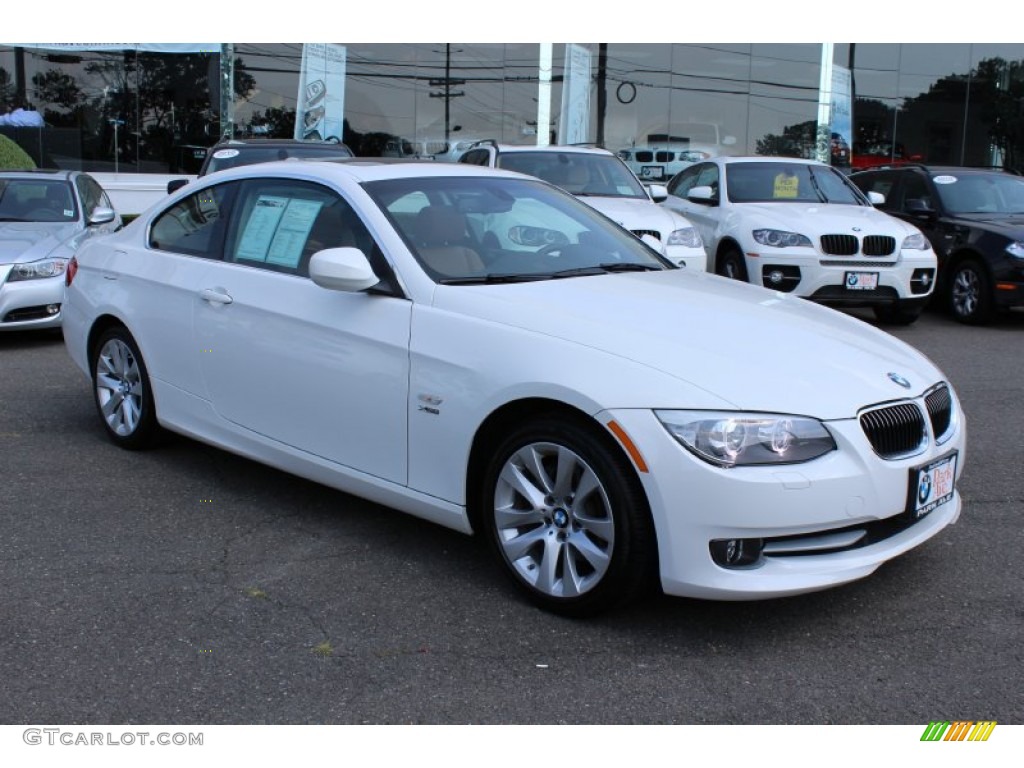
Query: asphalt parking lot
[{"x": 186, "y": 585}]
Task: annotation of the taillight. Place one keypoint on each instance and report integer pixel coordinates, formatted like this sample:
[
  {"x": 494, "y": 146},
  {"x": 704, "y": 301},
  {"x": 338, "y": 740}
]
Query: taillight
[{"x": 70, "y": 271}]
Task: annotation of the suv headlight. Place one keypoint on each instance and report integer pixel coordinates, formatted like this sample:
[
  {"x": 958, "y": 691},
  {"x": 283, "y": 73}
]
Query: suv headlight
[
  {"x": 1016, "y": 249},
  {"x": 777, "y": 238},
  {"x": 688, "y": 237},
  {"x": 37, "y": 270},
  {"x": 915, "y": 242},
  {"x": 728, "y": 439}
]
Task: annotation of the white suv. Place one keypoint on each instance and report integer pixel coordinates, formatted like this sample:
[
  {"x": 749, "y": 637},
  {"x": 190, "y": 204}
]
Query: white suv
[
  {"x": 602, "y": 181},
  {"x": 799, "y": 226}
]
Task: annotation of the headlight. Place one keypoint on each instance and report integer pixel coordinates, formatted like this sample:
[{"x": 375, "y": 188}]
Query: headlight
[
  {"x": 728, "y": 439},
  {"x": 915, "y": 242},
  {"x": 776, "y": 238},
  {"x": 37, "y": 270},
  {"x": 688, "y": 237},
  {"x": 1016, "y": 250}
]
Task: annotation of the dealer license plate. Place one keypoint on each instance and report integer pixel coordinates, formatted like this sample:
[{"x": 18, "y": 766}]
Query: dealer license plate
[
  {"x": 932, "y": 485},
  {"x": 861, "y": 281},
  {"x": 652, "y": 172}
]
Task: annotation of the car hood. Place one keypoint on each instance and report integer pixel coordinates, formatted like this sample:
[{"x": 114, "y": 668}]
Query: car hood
[
  {"x": 636, "y": 213},
  {"x": 22, "y": 241},
  {"x": 816, "y": 219},
  {"x": 753, "y": 348},
  {"x": 1010, "y": 225}
]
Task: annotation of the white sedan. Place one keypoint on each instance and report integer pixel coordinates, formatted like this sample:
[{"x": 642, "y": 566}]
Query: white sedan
[{"x": 484, "y": 351}]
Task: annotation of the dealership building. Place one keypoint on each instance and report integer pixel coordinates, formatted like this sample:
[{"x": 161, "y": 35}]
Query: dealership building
[{"x": 136, "y": 112}]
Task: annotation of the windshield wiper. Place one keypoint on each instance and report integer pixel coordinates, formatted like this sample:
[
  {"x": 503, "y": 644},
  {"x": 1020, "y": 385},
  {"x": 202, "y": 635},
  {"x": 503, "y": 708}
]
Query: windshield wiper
[
  {"x": 817, "y": 189},
  {"x": 494, "y": 279}
]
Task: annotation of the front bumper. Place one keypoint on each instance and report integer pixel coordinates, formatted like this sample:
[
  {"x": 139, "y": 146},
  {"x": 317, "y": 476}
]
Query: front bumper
[
  {"x": 694, "y": 504},
  {"x": 695, "y": 259},
  {"x": 29, "y": 304},
  {"x": 827, "y": 279}
]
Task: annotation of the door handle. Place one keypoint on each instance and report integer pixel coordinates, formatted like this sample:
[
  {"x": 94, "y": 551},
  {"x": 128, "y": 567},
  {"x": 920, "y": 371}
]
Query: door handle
[{"x": 215, "y": 296}]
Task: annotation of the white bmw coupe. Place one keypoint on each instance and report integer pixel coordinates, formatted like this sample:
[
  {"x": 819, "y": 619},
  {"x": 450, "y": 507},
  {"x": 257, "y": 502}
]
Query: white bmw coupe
[{"x": 483, "y": 350}]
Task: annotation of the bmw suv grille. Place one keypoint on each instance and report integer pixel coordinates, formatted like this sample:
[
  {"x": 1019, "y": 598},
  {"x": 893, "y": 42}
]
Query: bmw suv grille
[
  {"x": 839, "y": 245},
  {"x": 878, "y": 245}
]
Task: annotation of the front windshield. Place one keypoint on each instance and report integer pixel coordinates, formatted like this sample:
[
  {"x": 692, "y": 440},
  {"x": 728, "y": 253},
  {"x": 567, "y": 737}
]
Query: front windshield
[
  {"x": 782, "y": 182},
  {"x": 981, "y": 193},
  {"x": 39, "y": 200},
  {"x": 578, "y": 173},
  {"x": 475, "y": 229},
  {"x": 232, "y": 157}
]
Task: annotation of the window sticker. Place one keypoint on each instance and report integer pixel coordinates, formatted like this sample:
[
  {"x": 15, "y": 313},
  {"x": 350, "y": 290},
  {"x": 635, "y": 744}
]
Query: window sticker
[
  {"x": 260, "y": 228},
  {"x": 292, "y": 232},
  {"x": 224, "y": 154},
  {"x": 277, "y": 230},
  {"x": 786, "y": 186},
  {"x": 68, "y": 213},
  {"x": 945, "y": 179}
]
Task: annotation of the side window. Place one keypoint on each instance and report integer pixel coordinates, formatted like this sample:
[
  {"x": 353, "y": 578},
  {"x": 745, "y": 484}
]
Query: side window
[
  {"x": 883, "y": 185},
  {"x": 708, "y": 177},
  {"x": 915, "y": 188},
  {"x": 476, "y": 157},
  {"x": 684, "y": 182},
  {"x": 281, "y": 223},
  {"x": 90, "y": 200},
  {"x": 195, "y": 225}
]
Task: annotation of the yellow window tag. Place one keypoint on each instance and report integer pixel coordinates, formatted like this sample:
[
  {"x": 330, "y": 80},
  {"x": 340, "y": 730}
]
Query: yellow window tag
[{"x": 786, "y": 186}]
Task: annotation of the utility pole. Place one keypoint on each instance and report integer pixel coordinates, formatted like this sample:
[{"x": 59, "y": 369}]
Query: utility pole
[{"x": 447, "y": 94}]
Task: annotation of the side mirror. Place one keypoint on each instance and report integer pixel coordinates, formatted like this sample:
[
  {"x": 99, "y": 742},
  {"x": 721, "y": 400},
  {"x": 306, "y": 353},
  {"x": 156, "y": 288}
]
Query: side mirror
[
  {"x": 175, "y": 184},
  {"x": 658, "y": 192},
  {"x": 876, "y": 198},
  {"x": 342, "y": 269},
  {"x": 101, "y": 216},
  {"x": 702, "y": 195}
]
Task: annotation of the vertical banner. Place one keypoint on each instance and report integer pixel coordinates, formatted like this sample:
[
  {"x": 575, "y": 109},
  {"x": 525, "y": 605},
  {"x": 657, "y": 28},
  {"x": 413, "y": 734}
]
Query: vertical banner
[
  {"x": 574, "y": 120},
  {"x": 320, "y": 107},
  {"x": 842, "y": 117}
]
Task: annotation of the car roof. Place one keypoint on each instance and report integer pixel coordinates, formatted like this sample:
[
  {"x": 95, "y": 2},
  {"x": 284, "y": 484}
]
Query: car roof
[
  {"x": 360, "y": 169},
  {"x": 35, "y": 173},
  {"x": 581, "y": 149},
  {"x": 733, "y": 159},
  {"x": 238, "y": 143},
  {"x": 935, "y": 170}
]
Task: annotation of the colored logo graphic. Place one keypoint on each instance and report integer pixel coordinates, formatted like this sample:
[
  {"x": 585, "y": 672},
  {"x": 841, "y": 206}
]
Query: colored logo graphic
[
  {"x": 924, "y": 490},
  {"x": 958, "y": 730}
]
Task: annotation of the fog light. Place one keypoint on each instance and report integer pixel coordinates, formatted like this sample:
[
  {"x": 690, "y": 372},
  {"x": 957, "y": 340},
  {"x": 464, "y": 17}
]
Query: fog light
[
  {"x": 736, "y": 553},
  {"x": 775, "y": 277},
  {"x": 52, "y": 309}
]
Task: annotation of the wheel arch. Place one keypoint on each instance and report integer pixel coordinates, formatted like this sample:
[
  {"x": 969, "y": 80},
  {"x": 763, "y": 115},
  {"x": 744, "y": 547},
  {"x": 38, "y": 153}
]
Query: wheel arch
[
  {"x": 728, "y": 243},
  {"x": 958, "y": 257},
  {"x": 101, "y": 325},
  {"x": 490, "y": 431}
]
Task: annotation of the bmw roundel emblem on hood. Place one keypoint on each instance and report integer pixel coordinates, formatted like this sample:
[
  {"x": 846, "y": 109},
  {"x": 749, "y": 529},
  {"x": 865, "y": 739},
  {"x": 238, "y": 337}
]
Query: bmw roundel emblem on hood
[{"x": 899, "y": 380}]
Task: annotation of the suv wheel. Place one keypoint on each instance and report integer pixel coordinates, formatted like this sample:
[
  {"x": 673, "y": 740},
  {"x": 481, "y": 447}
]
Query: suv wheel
[
  {"x": 731, "y": 264},
  {"x": 970, "y": 294}
]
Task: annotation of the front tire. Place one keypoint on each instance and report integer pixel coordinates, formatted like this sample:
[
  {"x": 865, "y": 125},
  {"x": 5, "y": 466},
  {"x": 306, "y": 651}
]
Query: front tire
[
  {"x": 970, "y": 293},
  {"x": 731, "y": 264},
  {"x": 122, "y": 392},
  {"x": 566, "y": 516}
]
